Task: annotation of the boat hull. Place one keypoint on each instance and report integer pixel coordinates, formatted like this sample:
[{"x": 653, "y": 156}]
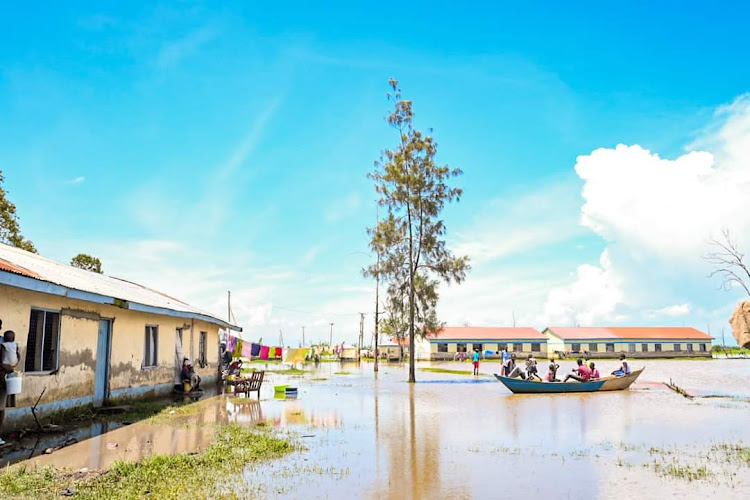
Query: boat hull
[{"x": 519, "y": 386}]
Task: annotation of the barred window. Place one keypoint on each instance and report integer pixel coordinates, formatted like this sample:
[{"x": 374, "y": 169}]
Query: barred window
[{"x": 43, "y": 342}]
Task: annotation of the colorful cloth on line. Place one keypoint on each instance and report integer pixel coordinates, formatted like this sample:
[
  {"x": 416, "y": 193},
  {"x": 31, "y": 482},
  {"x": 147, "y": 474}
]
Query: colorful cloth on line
[
  {"x": 296, "y": 355},
  {"x": 237, "y": 351},
  {"x": 264, "y": 352},
  {"x": 256, "y": 350},
  {"x": 277, "y": 352},
  {"x": 247, "y": 350},
  {"x": 231, "y": 343}
]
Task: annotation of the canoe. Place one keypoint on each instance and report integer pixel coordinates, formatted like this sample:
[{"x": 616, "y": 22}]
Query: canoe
[{"x": 519, "y": 386}]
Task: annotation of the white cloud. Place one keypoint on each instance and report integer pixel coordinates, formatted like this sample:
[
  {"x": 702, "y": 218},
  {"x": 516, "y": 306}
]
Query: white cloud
[
  {"x": 76, "y": 181},
  {"x": 656, "y": 216}
]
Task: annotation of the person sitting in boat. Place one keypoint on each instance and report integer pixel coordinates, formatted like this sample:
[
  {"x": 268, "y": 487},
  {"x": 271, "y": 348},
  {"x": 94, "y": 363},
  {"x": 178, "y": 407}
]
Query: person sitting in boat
[
  {"x": 552, "y": 373},
  {"x": 594, "y": 371},
  {"x": 583, "y": 372},
  {"x": 531, "y": 368},
  {"x": 188, "y": 375},
  {"x": 513, "y": 370},
  {"x": 624, "y": 368}
]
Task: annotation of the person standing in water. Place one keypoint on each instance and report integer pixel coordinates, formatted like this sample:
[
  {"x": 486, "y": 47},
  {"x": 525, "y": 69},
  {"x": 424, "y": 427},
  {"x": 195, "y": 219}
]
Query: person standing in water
[{"x": 475, "y": 361}]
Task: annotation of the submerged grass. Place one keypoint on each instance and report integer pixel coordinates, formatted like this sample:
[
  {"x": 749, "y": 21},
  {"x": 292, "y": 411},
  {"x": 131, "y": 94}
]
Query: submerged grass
[
  {"x": 139, "y": 410},
  {"x": 160, "y": 476}
]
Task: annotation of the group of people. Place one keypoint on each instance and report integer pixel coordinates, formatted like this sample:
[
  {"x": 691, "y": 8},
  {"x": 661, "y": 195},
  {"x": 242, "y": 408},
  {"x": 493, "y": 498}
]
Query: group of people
[{"x": 583, "y": 372}]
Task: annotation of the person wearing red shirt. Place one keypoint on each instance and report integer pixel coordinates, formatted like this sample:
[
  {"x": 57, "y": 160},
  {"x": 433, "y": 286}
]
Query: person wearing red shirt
[
  {"x": 594, "y": 371},
  {"x": 583, "y": 372}
]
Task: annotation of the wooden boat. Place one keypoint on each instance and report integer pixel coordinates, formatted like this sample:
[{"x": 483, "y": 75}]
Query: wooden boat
[{"x": 520, "y": 386}]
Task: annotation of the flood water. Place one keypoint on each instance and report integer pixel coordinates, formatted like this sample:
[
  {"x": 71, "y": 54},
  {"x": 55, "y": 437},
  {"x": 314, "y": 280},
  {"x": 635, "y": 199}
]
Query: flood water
[{"x": 456, "y": 436}]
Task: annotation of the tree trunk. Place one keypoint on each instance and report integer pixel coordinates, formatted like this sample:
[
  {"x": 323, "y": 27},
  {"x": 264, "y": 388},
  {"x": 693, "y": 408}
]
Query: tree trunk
[
  {"x": 377, "y": 307},
  {"x": 412, "y": 377}
]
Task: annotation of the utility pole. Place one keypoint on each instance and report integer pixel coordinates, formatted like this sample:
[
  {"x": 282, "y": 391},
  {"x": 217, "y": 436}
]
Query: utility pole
[
  {"x": 281, "y": 338},
  {"x": 377, "y": 293},
  {"x": 330, "y": 339},
  {"x": 361, "y": 340},
  {"x": 303, "y": 336},
  {"x": 514, "y": 318}
]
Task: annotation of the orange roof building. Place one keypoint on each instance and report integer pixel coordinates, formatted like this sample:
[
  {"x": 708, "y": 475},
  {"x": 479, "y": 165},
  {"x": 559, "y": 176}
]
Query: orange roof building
[
  {"x": 648, "y": 341},
  {"x": 453, "y": 341}
]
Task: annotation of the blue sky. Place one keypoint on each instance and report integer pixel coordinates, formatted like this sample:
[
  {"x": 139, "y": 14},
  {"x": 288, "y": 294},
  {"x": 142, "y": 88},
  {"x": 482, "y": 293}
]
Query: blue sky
[{"x": 197, "y": 149}]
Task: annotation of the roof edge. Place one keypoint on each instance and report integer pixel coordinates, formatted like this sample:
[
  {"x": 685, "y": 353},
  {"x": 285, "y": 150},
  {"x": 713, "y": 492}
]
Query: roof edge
[{"x": 41, "y": 286}]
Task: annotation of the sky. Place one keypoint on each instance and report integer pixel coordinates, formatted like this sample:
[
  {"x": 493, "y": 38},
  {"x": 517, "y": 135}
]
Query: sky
[{"x": 198, "y": 148}]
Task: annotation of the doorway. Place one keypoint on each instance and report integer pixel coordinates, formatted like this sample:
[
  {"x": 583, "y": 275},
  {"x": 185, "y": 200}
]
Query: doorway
[{"x": 103, "y": 349}]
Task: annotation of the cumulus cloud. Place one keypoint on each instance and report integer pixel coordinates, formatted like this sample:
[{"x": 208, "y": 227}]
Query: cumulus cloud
[{"x": 656, "y": 216}]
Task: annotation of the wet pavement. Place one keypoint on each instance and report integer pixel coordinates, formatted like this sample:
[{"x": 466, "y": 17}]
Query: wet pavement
[{"x": 456, "y": 436}]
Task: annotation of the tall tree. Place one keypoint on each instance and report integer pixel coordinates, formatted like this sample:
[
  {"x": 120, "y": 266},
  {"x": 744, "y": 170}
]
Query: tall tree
[
  {"x": 10, "y": 231},
  {"x": 728, "y": 262},
  {"x": 87, "y": 262},
  {"x": 410, "y": 241}
]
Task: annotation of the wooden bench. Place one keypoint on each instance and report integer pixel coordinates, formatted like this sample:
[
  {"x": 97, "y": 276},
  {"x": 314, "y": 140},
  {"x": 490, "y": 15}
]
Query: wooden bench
[{"x": 249, "y": 384}]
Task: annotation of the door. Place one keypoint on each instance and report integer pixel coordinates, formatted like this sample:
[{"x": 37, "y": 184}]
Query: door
[
  {"x": 178, "y": 357},
  {"x": 103, "y": 347}
]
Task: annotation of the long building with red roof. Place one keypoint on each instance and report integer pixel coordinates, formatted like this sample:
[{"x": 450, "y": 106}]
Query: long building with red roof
[
  {"x": 638, "y": 342},
  {"x": 452, "y": 341}
]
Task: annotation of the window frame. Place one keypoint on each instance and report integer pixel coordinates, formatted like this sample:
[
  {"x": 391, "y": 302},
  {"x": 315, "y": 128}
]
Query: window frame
[
  {"x": 677, "y": 347},
  {"x": 536, "y": 347},
  {"x": 644, "y": 348},
  {"x": 155, "y": 354},
  {"x": 460, "y": 347},
  {"x": 609, "y": 347},
  {"x": 477, "y": 346},
  {"x": 575, "y": 348},
  {"x": 657, "y": 347},
  {"x": 442, "y": 347},
  {"x": 593, "y": 347},
  {"x": 690, "y": 347},
  {"x": 203, "y": 348},
  {"x": 703, "y": 347},
  {"x": 56, "y": 367},
  {"x": 517, "y": 346},
  {"x": 631, "y": 347}
]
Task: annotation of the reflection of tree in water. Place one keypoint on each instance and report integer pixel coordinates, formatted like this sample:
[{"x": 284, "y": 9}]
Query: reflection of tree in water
[{"x": 413, "y": 448}]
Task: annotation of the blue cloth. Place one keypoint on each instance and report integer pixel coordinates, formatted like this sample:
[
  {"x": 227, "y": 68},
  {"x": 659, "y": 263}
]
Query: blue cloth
[
  {"x": 506, "y": 355},
  {"x": 475, "y": 356},
  {"x": 618, "y": 373}
]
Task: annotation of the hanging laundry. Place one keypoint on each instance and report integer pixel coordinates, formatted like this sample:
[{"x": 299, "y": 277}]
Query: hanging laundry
[
  {"x": 237, "y": 352},
  {"x": 277, "y": 352},
  {"x": 296, "y": 355},
  {"x": 231, "y": 343},
  {"x": 247, "y": 350},
  {"x": 256, "y": 350},
  {"x": 264, "y": 352}
]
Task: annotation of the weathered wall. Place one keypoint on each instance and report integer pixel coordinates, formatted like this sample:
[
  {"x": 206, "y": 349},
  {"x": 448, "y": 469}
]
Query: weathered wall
[
  {"x": 526, "y": 348},
  {"x": 73, "y": 381},
  {"x": 740, "y": 322}
]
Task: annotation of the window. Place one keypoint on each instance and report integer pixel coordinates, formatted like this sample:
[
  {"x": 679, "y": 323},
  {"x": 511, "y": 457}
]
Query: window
[
  {"x": 690, "y": 347},
  {"x": 536, "y": 347},
  {"x": 460, "y": 347},
  {"x": 631, "y": 347},
  {"x": 644, "y": 347},
  {"x": 657, "y": 347},
  {"x": 593, "y": 347},
  {"x": 502, "y": 347},
  {"x": 202, "y": 342},
  {"x": 677, "y": 347},
  {"x": 442, "y": 347},
  {"x": 517, "y": 347},
  {"x": 575, "y": 347},
  {"x": 476, "y": 346},
  {"x": 43, "y": 342},
  {"x": 703, "y": 347},
  {"x": 610, "y": 347},
  {"x": 151, "y": 346}
]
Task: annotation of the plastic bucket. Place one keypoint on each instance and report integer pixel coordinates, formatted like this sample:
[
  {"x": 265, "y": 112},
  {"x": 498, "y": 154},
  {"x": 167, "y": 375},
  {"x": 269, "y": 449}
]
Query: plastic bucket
[
  {"x": 186, "y": 387},
  {"x": 14, "y": 384}
]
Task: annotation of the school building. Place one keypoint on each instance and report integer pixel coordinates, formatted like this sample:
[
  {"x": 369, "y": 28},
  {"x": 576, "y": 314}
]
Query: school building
[
  {"x": 635, "y": 342},
  {"x": 489, "y": 340},
  {"x": 87, "y": 338}
]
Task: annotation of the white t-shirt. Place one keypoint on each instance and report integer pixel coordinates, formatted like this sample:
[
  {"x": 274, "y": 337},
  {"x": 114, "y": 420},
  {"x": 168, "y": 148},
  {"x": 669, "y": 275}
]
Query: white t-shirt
[{"x": 9, "y": 353}]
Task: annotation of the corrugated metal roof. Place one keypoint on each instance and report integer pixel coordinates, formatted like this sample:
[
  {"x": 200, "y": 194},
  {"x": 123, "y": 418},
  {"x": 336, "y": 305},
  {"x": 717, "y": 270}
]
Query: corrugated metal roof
[
  {"x": 23, "y": 263},
  {"x": 629, "y": 332},
  {"x": 487, "y": 333}
]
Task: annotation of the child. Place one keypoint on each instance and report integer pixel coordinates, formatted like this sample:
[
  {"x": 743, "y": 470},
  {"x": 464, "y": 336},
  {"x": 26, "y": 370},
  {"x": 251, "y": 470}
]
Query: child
[
  {"x": 594, "y": 371},
  {"x": 552, "y": 373},
  {"x": 8, "y": 360},
  {"x": 531, "y": 369}
]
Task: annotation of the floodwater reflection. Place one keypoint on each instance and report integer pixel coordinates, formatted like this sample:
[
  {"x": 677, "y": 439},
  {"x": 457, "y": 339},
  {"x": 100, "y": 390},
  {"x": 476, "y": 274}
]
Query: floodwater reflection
[{"x": 383, "y": 438}]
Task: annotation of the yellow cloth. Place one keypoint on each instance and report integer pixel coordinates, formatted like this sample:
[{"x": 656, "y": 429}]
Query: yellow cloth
[{"x": 296, "y": 355}]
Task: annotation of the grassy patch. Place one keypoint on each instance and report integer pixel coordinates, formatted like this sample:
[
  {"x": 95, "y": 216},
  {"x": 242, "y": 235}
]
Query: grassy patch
[
  {"x": 341, "y": 373},
  {"x": 452, "y": 372},
  {"x": 319, "y": 379},
  {"x": 688, "y": 472},
  {"x": 200, "y": 475},
  {"x": 140, "y": 410}
]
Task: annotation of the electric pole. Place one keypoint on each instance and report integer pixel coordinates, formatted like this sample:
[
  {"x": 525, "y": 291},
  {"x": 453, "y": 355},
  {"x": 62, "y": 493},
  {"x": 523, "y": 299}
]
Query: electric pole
[
  {"x": 361, "y": 341},
  {"x": 330, "y": 339},
  {"x": 303, "y": 336}
]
